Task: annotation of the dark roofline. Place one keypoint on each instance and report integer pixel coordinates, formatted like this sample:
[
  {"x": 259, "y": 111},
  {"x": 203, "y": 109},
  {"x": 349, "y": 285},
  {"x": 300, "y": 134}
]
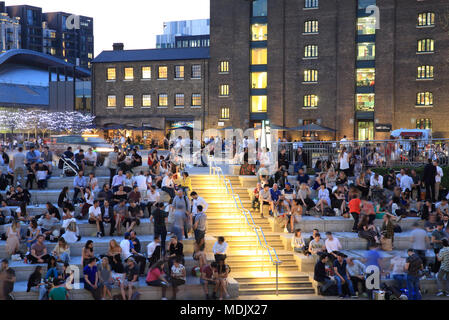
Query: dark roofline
[
  {"x": 41, "y": 60},
  {"x": 168, "y": 54}
]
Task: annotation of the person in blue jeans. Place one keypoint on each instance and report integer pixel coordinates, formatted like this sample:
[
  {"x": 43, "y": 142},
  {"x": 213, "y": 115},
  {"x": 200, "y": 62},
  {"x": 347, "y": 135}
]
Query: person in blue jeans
[
  {"x": 342, "y": 275},
  {"x": 413, "y": 266},
  {"x": 52, "y": 269}
]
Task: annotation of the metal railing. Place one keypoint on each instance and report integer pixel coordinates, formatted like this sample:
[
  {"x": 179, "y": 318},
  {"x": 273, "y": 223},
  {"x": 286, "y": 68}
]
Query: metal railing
[
  {"x": 378, "y": 153},
  {"x": 247, "y": 219}
]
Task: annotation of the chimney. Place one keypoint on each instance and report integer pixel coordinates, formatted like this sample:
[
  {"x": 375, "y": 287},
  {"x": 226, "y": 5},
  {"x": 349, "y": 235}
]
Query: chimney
[{"x": 118, "y": 46}]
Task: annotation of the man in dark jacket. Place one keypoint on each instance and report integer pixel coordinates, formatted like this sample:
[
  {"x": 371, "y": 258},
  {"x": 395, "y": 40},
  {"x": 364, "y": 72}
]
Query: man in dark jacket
[
  {"x": 320, "y": 275},
  {"x": 430, "y": 172}
]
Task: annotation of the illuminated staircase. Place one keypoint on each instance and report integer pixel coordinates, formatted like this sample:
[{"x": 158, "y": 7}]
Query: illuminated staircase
[{"x": 250, "y": 263}]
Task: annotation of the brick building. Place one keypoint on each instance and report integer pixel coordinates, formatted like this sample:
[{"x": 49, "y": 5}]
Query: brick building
[
  {"x": 294, "y": 62},
  {"x": 162, "y": 88}
]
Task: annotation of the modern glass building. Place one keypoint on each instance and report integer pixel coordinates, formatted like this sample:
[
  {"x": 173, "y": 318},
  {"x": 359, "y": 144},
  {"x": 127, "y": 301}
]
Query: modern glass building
[{"x": 176, "y": 32}]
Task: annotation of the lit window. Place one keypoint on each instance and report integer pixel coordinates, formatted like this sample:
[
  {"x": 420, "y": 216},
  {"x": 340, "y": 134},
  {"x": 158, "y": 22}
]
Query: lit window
[
  {"x": 163, "y": 100},
  {"x": 112, "y": 101},
  {"x": 179, "y": 72},
  {"x": 196, "y": 71},
  {"x": 224, "y": 66},
  {"x": 259, "y": 32},
  {"x": 259, "y": 56},
  {"x": 179, "y": 100},
  {"x": 129, "y": 101},
  {"x": 424, "y": 99},
  {"x": 129, "y": 73},
  {"x": 424, "y": 124},
  {"x": 365, "y": 102},
  {"x": 146, "y": 72},
  {"x": 163, "y": 73},
  {"x": 196, "y": 100},
  {"x": 426, "y": 45},
  {"x": 311, "y": 51},
  {"x": 310, "y": 101},
  {"x": 259, "y": 80},
  {"x": 308, "y": 4},
  {"x": 366, "y": 77},
  {"x": 311, "y": 26},
  {"x": 258, "y": 104},
  {"x": 366, "y": 51},
  {"x": 310, "y": 75},
  {"x": 90, "y": 56},
  {"x": 111, "y": 74},
  {"x": 225, "y": 114},
  {"x": 426, "y": 19},
  {"x": 366, "y": 26},
  {"x": 425, "y": 72},
  {"x": 146, "y": 100},
  {"x": 224, "y": 90}
]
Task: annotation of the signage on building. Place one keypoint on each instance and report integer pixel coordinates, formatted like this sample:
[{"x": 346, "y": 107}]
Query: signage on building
[
  {"x": 181, "y": 124},
  {"x": 384, "y": 127}
]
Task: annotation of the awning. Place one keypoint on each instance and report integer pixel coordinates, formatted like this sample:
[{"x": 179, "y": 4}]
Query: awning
[{"x": 411, "y": 134}]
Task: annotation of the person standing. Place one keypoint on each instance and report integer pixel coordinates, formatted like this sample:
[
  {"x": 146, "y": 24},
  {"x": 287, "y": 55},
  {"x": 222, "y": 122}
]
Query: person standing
[
  {"x": 113, "y": 164},
  {"x": 429, "y": 178},
  {"x": 413, "y": 266},
  {"x": 18, "y": 166},
  {"x": 438, "y": 178},
  {"x": 420, "y": 241},
  {"x": 159, "y": 218}
]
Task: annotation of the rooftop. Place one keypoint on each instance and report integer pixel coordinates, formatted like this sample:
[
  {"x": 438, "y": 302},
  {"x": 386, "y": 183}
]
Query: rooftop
[{"x": 152, "y": 55}]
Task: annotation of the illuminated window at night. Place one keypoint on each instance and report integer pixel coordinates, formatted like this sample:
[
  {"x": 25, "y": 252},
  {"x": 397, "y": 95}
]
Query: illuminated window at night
[
  {"x": 365, "y": 102},
  {"x": 224, "y": 90},
  {"x": 424, "y": 99},
  {"x": 224, "y": 67},
  {"x": 311, "y": 51},
  {"x": 196, "y": 100},
  {"x": 425, "y": 72},
  {"x": 111, "y": 74},
  {"x": 146, "y": 72},
  {"x": 310, "y": 75},
  {"x": 129, "y": 73},
  {"x": 424, "y": 124},
  {"x": 163, "y": 73},
  {"x": 146, "y": 100},
  {"x": 366, "y": 26},
  {"x": 163, "y": 100},
  {"x": 258, "y": 104},
  {"x": 366, "y": 51},
  {"x": 311, "y": 26},
  {"x": 112, "y": 101},
  {"x": 426, "y": 19},
  {"x": 179, "y": 100},
  {"x": 259, "y": 56},
  {"x": 259, "y": 32},
  {"x": 225, "y": 114},
  {"x": 129, "y": 101},
  {"x": 426, "y": 45},
  {"x": 259, "y": 80},
  {"x": 310, "y": 101},
  {"x": 366, "y": 77}
]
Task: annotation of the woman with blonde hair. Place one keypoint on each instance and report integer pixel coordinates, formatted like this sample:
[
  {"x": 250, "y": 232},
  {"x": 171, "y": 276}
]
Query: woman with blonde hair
[
  {"x": 13, "y": 238},
  {"x": 105, "y": 280},
  {"x": 62, "y": 251},
  {"x": 114, "y": 257}
]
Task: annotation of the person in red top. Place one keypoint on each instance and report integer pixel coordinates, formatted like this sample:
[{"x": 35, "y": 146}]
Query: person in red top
[
  {"x": 156, "y": 277},
  {"x": 207, "y": 278},
  {"x": 355, "y": 206}
]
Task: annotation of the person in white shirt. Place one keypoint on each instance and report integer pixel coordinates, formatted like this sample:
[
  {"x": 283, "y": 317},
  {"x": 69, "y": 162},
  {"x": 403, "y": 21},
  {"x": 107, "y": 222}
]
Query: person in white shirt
[
  {"x": 399, "y": 177},
  {"x": 141, "y": 182},
  {"x": 438, "y": 179},
  {"x": 220, "y": 249},
  {"x": 151, "y": 198},
  {"x": 168, "y": 185},
  {"x": 332, "y": 245},
  {"x": 154, "y": 250},
  {"x": 125, "y": 244},
  {"x": 198, "y": 201},
  {"x": 91, "y": 158},
  {"x": 344, "y": 161},
  {"x": 377, "y": 181},
  {"x": 406, "y": 182},
  {"x": 96, "y": 218}
]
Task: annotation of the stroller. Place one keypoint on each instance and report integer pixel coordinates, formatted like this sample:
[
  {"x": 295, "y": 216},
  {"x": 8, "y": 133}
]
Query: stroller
[{"x": 68, "y": 167}]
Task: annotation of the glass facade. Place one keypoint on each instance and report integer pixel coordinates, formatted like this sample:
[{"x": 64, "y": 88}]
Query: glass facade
[
  {"x": 83, "y": 96},
  {"x": 258, "y": 104},
  {"x": 259, "y": 56},
  {"x": 366, "y": 77},
  {"x": 259, "y": 80},
  {"x": 365, "y": 102},
  {"x": 366, "y": 51}
]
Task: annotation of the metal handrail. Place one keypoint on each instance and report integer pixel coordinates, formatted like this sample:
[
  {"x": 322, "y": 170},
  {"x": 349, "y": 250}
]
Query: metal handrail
[{"x": 252, "y": 225}]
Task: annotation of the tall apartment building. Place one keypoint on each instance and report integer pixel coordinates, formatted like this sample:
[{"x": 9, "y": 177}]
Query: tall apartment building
[
  {"x": 344, "y": 64},
  {"x": 49, "y": 33},
  {"x": 183, "y": 34},
  {"x": 9, "y": 31}
]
